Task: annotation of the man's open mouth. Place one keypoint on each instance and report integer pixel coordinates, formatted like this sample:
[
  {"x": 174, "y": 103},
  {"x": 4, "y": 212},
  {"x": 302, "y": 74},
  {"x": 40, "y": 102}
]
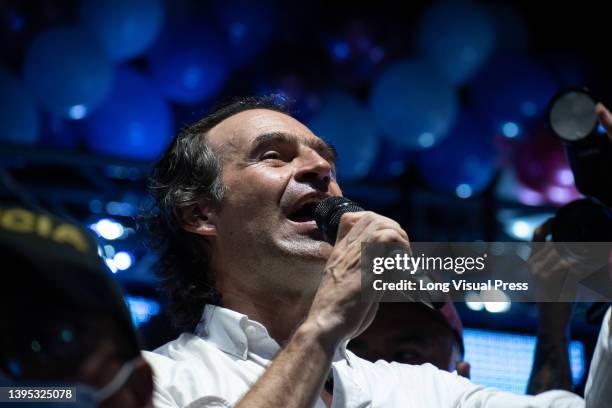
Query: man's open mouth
[{"x": 305, "y": 212}]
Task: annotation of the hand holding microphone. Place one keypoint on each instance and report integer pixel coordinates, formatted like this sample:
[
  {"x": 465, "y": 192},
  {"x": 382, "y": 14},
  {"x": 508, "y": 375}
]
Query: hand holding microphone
[{"x": 339, "y": 310}]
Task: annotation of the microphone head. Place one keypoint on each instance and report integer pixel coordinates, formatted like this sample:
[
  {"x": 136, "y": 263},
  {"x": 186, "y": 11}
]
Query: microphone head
[{"x": 329, "y": 212}]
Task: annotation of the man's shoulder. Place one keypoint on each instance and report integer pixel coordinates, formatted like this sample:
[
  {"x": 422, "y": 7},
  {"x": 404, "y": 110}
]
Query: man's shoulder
[
  {"x": 387, "y": 373},
  {"x": 381, "y": 367},
  {"x": 193, "y": 370},
  {"x": 182, "y": 349}
]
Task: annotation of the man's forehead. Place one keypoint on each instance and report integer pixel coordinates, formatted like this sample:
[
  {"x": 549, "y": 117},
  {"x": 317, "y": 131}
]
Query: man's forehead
[{"x": 243, "y": 127}]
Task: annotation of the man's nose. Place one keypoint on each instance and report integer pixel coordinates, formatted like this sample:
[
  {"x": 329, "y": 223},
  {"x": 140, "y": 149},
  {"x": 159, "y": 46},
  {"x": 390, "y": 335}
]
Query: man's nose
[{"x": 313, "y": 168}]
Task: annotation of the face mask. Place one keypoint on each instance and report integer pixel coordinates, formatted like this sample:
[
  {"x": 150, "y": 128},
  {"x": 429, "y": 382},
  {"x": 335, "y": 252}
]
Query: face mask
[{"x": 86, "y": 395}]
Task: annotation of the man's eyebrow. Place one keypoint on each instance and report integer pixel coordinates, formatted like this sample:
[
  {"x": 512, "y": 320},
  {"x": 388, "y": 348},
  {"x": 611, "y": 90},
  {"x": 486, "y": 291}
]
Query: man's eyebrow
[{"x": 324, "y": 148}]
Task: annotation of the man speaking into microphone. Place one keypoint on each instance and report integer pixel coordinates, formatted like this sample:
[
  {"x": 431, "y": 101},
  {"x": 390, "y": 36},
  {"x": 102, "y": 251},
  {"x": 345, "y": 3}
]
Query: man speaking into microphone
[{"x": 267, "y": 304}]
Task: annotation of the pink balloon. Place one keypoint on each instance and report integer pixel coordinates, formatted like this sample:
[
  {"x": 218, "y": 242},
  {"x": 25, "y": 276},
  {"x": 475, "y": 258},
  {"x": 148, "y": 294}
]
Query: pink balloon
[{"x": 542, "y": 169}]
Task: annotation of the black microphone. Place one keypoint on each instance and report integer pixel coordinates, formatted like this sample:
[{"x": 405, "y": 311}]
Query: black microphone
[{"x": 328, "y": 214}]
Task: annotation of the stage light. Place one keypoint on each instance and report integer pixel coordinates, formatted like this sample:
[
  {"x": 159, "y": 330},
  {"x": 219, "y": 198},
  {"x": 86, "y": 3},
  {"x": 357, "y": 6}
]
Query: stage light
[
  {"x": 495, "y": 301},
  {"x": 142, "y": 309},
  {"x": 473, "y": 302},
  {"x": 109, "y": 251},
  {"x": 108, "y": 229},
  {"x": 77, "y": 112},
  {"x": 464, "y": 191},
  {"x": 600, "y": 129},
  {"x": 510, "y": 130},
  {"x": 528, "y": 196},
  {"x": 565, "y": 177},
  {"x": 123, "y": 260},
  {"x": 560, "y": 195},
  {"x": 426, "y": 140},
  {"x": 496, "y": 307},
  {"x": 521, "y": 230},
  {"x": 111, "y": 265}
]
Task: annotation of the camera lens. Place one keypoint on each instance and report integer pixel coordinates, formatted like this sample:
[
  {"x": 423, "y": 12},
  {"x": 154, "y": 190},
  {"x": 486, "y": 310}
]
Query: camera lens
[{"x": 572, "y": 115}]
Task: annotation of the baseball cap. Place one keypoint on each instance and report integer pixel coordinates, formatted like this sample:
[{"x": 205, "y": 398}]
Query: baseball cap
[{"x": 52, "y": 272}]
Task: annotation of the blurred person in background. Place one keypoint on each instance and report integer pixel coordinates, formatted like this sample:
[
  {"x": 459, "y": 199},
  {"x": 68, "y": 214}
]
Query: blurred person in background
[
  {"x": 551, "y": 360},
  {"x": 551, "y": 368},
  {"x": 63, "y": 318},
  {"x": 412, "y": 333}
]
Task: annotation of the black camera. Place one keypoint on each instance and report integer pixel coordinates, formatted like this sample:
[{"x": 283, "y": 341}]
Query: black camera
[{"x": 572, "y": 117}]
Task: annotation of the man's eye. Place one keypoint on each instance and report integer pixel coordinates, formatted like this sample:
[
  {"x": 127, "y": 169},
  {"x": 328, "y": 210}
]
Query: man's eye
[{"x": 271, "y": 155}]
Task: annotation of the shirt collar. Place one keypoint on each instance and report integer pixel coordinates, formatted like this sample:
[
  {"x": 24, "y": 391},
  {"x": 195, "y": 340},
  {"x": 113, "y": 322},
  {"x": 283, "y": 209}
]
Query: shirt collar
[{"x": 234, "y": 333}]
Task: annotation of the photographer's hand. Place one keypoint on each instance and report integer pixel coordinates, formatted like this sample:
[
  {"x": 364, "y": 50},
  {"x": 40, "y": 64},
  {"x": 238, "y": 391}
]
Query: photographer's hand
[
  {"x": 551, "y": 365},
  {"x": 605, "y": 118}
]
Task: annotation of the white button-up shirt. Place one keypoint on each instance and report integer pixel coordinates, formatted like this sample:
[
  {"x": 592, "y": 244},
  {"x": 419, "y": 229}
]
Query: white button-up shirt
[{"x": 216, "y": 366}]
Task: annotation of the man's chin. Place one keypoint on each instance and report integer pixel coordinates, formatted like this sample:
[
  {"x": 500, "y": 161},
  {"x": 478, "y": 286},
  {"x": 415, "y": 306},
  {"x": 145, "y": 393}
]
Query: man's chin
[{"x": 307, "y": 247}]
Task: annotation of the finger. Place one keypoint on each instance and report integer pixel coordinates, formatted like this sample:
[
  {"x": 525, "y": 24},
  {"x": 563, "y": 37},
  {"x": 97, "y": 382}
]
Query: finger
[
  {"x": 540, "y": 233},
  {"x": 347, "y": 222},
  {"x": 605, "y": 118},
  {"x": 387, "y": 236},
  {"x": 539, "y": 252}
]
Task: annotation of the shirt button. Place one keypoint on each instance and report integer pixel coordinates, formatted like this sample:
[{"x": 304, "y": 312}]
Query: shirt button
[{"x": 250, "y": 331}]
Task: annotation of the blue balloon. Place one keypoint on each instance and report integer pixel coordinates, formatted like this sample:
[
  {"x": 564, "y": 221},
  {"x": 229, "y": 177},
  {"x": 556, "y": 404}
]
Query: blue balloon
[
  {"x": 135, "y": 122},
  {"x": 60, "y": 133},
  {"x": 347, "y": 125},
  {"x": 512, "y": 88},
  {"x": 511, "y": 31},
  {"x": 391, "y": 162},
  {"x": 68, "y": 72},
  {"x": 18, "y": 116},
  {"x": 413, "y": 106},
  {"x": 124, "y": 28},
  {"x": 457, "y": 38},
  {"x": 247, "y": 25},
  {"x": 188, "y": 64},
  {"x": 465, "y": 162}
]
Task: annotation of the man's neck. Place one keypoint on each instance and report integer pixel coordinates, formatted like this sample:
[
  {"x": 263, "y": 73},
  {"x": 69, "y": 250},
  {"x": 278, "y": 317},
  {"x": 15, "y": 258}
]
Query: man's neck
[{"x": 280, "y": 314}]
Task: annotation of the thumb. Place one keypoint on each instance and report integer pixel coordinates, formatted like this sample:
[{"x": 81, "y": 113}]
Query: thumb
[
  {"x": 540, "y": 233},
  {"x": 605, "y": 118}
]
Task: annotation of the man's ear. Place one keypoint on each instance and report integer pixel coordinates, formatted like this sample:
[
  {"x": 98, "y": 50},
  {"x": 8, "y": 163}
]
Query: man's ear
[{"x": 198, "y": 218}]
